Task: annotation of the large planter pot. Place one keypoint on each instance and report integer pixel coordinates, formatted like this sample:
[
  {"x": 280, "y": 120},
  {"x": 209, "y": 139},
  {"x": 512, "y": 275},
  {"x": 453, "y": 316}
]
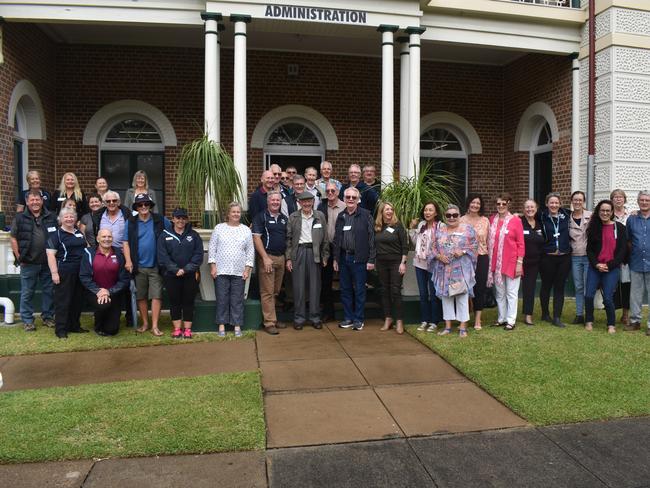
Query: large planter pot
[{"x": 410, "y": 282}]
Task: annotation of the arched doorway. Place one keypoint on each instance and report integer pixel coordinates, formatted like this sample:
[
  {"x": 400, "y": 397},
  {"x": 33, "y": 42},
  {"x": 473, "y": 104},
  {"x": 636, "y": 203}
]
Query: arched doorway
[
  {"x": 443, "y": 148},
  {"x": 541, "y": 161},
  {"x": 131, "y": 144},
  {"x": 294, "y": 142}
]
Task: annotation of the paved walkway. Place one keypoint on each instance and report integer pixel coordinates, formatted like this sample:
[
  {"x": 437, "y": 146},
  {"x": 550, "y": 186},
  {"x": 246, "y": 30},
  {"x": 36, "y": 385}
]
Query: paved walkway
[{"x": 349, "y": 409}]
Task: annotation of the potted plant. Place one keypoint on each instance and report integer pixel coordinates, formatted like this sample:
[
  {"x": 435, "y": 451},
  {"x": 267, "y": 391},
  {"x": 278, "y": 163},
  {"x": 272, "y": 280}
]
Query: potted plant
[{"x": 408, "y": 196}]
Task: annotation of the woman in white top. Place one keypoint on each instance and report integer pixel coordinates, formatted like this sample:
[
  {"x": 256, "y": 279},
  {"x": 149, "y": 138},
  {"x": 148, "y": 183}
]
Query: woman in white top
[
  {"x": 231, "y": 255},
  {"x": 140, "y": 184},
  {"x": 423, "y": 235}
]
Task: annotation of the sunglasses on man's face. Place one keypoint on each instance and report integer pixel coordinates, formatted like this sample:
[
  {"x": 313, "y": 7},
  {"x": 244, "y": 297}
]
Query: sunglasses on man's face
[
  {"x": 451, "y": 215},
  {"x": 112, "y": 201},
  {"x": 331, "y": 190},
  {"x": 350, "y": 197}
]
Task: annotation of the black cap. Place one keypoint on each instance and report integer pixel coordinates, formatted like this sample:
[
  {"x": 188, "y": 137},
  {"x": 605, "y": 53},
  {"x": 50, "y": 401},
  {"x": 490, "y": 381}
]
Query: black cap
[
  {"x": 142, "y": 198},
  {"x": 180, "y": 212}
]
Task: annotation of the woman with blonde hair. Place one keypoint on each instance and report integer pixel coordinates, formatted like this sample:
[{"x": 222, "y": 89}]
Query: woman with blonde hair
[
  {"x": 392, "y": 247},
  {"x": 33, "y": 179},
  {"x": 69, "y": 189},
  {"x": 622, "y": 293},
  {"x": 140, "y": 184}
]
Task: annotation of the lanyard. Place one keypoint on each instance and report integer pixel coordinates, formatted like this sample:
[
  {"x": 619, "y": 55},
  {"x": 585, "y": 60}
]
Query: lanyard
[{"x": 556, "y": 228}]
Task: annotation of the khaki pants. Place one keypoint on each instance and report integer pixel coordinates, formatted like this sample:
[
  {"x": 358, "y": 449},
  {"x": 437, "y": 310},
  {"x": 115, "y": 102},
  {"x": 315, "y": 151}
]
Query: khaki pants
[{"x": 270, "y": 284}]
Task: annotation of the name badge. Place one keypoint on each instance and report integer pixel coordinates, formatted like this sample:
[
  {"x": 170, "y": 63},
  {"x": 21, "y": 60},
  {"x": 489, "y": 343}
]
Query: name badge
[
  {"x": 169, "y": 238},
  {"x": 79, "y": 235},
  {"x": 271, "y": 221},
  {"x": 51, "y": 229},
  {"x": 390, "y": 229},
  {"x": 347, "y": 227},
  {"x": 526, "y": 232},
  {"x": 318, "y": 226},
  {"x": 506, "y": 231},
  {"x": 134, "y": 212},
  {"x": 61, "y": 199},
  {"x": 556, "y": 235}
]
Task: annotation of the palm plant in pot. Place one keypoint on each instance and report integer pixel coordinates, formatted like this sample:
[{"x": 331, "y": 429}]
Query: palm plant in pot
[
  {"x": 409, "y": 194},
  {"x": 207, "y": 179}
]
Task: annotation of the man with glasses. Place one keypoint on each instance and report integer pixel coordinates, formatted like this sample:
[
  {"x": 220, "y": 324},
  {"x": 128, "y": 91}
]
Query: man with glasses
[
  {"x": 638, "y": 234},
  {"x": 370, "y": 178},
  {"x": 29, "y": 234},
  {"x": 257, "y": 200},
  {"x": 291, "y": 173},
  {"x": 354, "y": 256},
  {"x": 140, "y": 255},
  {"x": 113, "y": 216},
  {"x": 368, "y": 197},
  {"x": 331, "y": 207},
  {"x": 311, "y": 186},
  {"x": 326, "y": 177}
]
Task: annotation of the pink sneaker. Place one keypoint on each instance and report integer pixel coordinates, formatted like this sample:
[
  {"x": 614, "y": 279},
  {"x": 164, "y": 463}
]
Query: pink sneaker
[
  {"x": 177, "y": 334},
  {"x": 187, "y": 333}
]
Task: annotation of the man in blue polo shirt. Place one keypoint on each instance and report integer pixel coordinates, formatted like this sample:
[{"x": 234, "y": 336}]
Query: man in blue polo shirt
[
  {"x": 270, "y": 239},
  {"x": 638, "y": 234},
  {"x": 140, "y": 254}
]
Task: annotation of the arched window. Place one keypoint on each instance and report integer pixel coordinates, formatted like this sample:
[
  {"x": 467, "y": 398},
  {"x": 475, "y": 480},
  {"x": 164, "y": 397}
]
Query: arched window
[
  {"x": 129, "y": 144},
  {"x": 294, "y": 143},
  {"x": 541, "y": 160},
  {"x": 20, "y": 151},
  {"x": 442, "y": 148}
]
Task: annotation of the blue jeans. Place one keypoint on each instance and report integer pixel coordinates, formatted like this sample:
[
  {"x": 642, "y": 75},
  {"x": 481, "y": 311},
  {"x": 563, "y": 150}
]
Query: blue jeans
[
  {"x": 352, "y": 277},
  {"x": 430, "y": 304},
  {"x": 606, "y": 281},
  {"x": 30, "y": 274},
  {"x": 579, "y": 266},
  {"x": 229, "y": 290}
]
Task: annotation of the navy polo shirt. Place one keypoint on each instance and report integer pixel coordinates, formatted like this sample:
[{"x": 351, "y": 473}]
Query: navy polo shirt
[
  {"x": 69, "y": 249},
  {"x": 47, "y": 198},
  {"x": 273, "y": 231}
]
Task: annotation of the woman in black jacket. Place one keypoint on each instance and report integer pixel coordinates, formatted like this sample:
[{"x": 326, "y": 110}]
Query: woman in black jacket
[
  {"x": 606, "y": 248},
  {"x": 533, "y": 241},
  {"x": 180, "y": 254}
]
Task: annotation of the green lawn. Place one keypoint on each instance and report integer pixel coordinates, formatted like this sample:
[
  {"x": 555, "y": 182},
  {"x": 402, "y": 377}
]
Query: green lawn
[
  {"x": 15, "y": 341},
  {"x": 135, "y": 418},
  {"x": 549, "y": 375}
]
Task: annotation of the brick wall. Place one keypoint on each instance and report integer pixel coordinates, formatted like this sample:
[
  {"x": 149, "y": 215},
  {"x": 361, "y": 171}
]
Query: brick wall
[{"x": 28, "y": 54}]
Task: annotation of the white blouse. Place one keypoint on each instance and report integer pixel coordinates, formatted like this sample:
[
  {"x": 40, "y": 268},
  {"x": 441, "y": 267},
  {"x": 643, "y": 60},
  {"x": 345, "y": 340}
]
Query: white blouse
[{"x": 231, "y": 249}]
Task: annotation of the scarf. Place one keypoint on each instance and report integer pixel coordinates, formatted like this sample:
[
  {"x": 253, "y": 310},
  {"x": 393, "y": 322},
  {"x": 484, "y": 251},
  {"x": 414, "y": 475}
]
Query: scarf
[
  {"x": 425, "y": 242},
  {"x": 497, "y": 277}
]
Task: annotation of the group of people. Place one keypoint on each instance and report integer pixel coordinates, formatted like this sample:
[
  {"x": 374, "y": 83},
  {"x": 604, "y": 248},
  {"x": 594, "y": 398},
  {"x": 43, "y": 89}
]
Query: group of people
[{"x": 302, "y": 230}]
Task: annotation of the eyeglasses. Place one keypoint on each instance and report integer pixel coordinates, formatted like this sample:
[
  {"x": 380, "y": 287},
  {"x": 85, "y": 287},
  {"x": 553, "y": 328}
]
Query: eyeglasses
[
  {"x": 142, "y": 205},
  {"x": 451, "y": 215},
  {"x": 277, "y": 174},
  {"x": 111, "y": 201},
  {"x": 331, "y": 190},
  {"x": 350, "y": 197},
  {"x": 502, "y": 204}
]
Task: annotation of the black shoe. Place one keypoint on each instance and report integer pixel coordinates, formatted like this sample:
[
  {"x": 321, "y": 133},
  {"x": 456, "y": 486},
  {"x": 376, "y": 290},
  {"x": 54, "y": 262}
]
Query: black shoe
[
  {"x": 357, "y": 326},
  {"x": 346, "y": 324},
  {"x": 280, "y": 325},
  {"x": 272, "y": 330},
  {"x": 317, "y": 325},
  {"x": 579, "y": 320},
  {"x": 547, "y": 318},
  {"x": 558, "y": 323},
  {"x": 80, "y": 330},
  {"x": 62, "y": 335},
  {"x": 499, "y": 324},
  {"x": 101, "y": 333},
  {"x": 297, "y": 326}
]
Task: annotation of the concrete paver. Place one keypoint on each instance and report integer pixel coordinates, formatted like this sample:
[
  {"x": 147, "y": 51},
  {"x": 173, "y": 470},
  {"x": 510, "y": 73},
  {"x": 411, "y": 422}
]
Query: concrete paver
[
  {"x": 303, "y": 419},
  {"x": 227, "y": 470},
  {"x": 67, "y": 474},
  {"x": 445, "y": 408},
  {"x": 88, "y": 367},
  {"x": 514, "y": 458},
  {"x": 360, "y": 344},
  {"x": 305, "y": 344},
  {"x": 369, "y": 464},
  {"x": 613, "y": 450},
  {"x": 310, "y": 374},
  {"x": 421, "y": 368}
]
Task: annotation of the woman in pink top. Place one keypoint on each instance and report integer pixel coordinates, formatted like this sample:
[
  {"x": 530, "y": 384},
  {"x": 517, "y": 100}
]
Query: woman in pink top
[
  {"x": 606, "y": 248},
  {"x": 481, "y": 225},
  {"x": 506, "y": 251}
]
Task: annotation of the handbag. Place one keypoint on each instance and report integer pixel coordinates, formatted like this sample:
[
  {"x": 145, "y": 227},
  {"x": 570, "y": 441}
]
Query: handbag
[
  {"x": 457, "y": 287},
  {"x": 489, "y": 300}
]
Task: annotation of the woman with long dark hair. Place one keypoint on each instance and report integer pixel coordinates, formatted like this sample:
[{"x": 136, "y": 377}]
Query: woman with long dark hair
[
  {"x": 533, "y": 242},
  {"x": 474, "y": 216},
  {"x": 606, "y": 248}
]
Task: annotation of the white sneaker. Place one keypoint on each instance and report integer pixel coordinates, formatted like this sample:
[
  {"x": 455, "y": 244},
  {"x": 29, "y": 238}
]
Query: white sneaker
[
  {"x": 432, "y": 328},
  {"x": 423, "y": 326}
]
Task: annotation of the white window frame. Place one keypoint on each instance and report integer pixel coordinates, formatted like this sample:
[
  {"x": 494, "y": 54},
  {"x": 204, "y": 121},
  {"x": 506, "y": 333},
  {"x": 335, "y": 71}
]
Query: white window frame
[
  {"x": 279, "y": 150},
  {"x": 20, "y": 135},
  {"x": 463, "y": 154},
  {"x": 535, "y": 149}
]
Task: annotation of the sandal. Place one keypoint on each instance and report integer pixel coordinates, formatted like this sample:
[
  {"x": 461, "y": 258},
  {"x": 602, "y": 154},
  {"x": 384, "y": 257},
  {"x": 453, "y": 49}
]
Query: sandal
[
  {"x": 589, "y": 326},
  {"x": 142, "y": 329},
  {"x": 156, "y": 332},
  {"x": 509, "y": 327},
  {"x": 478, "y": 327},
  {"x": 462, "y": 333},
  {"x": 611, "y": 329},
  {"x": 445, "y": 331}
]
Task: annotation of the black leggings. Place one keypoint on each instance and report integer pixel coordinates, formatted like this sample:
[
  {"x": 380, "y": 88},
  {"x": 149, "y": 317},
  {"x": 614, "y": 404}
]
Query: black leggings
[
  {"x": 182, "y": 292},
  {"x": 391, "y": 284},
  {"x": 480, "y": 288},
  {"x": 554, "y": 270},
  {"x": 528, "y": 283}
]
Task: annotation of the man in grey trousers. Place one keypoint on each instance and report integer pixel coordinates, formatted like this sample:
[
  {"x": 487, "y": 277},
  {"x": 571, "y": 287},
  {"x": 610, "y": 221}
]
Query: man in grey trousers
[
  {"x": 638, "y": 235},
  {"x": 307, "y": 254}
]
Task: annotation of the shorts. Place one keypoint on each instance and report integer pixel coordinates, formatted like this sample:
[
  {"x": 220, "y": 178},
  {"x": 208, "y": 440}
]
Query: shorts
[{"x": 148, "y": 284}]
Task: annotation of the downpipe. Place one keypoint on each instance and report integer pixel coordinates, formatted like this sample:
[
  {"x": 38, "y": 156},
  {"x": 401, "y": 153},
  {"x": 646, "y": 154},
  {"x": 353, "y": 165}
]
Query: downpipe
[{"x": 10, "y": 310}]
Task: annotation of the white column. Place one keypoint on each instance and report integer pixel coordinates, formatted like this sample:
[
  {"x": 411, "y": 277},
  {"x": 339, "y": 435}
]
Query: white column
[
  {"x": 211, "y": 77},
  {"x": 239, "y": 151},
  {"x": 387, "y": 105},
  {"x": 575, "y": 126},
  {"x": 413, "y": 162},
  {"x": 403, "y": 106}
]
